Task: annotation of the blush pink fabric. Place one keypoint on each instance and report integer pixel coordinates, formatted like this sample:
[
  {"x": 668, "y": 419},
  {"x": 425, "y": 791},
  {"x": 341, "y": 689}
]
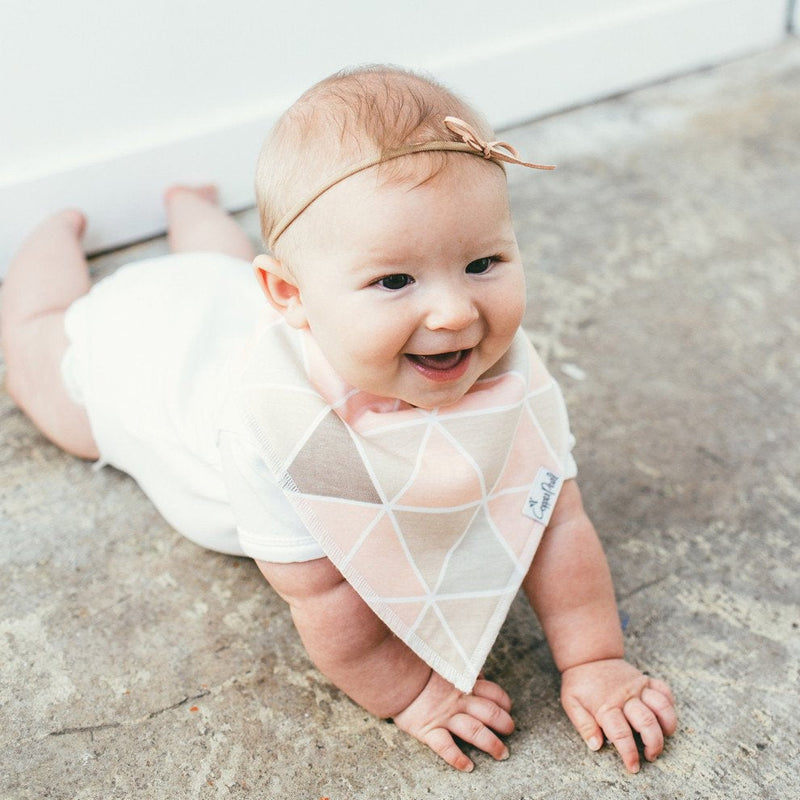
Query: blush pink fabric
[{"x": 421, "y": 511}]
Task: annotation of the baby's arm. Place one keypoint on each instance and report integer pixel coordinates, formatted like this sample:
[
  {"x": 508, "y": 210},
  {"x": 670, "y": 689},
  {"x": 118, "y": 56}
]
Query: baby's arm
[
  {"x": 358, "y": 653},
  {"x": 569, "y": 586}
]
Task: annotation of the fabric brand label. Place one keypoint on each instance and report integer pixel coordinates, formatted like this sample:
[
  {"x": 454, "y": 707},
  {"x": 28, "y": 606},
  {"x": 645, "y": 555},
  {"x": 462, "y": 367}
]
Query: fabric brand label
[{"x": 543, "y": 495}]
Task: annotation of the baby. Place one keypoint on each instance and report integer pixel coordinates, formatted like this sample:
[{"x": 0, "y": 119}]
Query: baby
[{"x": 379, "y": 436}]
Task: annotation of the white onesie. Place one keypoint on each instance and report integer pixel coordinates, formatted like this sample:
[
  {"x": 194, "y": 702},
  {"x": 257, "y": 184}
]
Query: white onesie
[{"x": 154, "y": 350}]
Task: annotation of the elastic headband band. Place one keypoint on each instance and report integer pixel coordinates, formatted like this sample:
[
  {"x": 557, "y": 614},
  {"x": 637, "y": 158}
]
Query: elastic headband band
[{"x": 470, "y": 143}]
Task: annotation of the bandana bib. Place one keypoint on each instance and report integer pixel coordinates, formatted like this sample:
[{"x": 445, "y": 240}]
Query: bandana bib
[{"x": 432, "y": 516}]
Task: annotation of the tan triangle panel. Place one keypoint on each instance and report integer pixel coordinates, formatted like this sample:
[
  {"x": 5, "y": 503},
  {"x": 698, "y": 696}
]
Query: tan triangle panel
[
  {"x": 429, "y": 538},
  {"x": 392, "y": 456},
  {"x": 489, "y": 451},
  {"x": 329, "y": 465},
  {"x": 480, "y": 562}
]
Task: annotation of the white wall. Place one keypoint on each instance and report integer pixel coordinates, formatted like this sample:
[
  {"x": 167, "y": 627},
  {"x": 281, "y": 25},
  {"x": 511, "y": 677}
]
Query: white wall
[{"x": 106, "y": 103}]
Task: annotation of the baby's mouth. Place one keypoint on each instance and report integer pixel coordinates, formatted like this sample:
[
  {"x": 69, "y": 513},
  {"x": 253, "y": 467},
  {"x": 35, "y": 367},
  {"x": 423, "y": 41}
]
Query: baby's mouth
[
  {"x": 439, "y": 361},
  {"x": 441, "y": 367}
]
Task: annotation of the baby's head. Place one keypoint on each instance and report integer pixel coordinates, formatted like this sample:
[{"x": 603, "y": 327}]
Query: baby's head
[
  {"x": 351, "y": 116},
  {"x": 401, "y": 260}
]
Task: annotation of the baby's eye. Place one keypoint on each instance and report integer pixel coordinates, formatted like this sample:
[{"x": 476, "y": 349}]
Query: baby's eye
[
  {"x": 395, "y": 282},
  {"x": 480, "y": 265}
]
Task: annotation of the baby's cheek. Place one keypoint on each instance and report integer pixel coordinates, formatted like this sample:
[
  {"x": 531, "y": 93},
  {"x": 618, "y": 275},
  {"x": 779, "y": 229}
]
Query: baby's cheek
[
  {"x": 366, "y": 352},
  {"x": 510, "y": 303},
  {"x": 511, "y": 317}
]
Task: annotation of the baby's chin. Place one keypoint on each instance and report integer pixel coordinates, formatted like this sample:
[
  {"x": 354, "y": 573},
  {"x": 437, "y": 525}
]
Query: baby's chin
[{"x": 442, "y": 399}]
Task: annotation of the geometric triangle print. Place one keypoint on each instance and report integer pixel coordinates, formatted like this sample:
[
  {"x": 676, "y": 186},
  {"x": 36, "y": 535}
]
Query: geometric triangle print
[
  {"x": 468, "y": 619},
  {"x": 284, "y": 430},
  {"x": 329, "y": 464},
  {"x": 505, "y": 511},
  {"x": 345, "y": 523},
  {"x": 420, "y": 510},
  {"x": 488, "y": 451},
  {"x": 408, "y": 613},
  {"x": 548, "y": 408},
  {"x": 429, "y": 538},
  {"x": 392, "y": 455},
  {"x": 381, "y": 560},
  {"x": 454, "y": 474},
  {"x": 479, "y": 563},
  {"x": 439, "y": 638},
  {"x": 528, "y": 453}
]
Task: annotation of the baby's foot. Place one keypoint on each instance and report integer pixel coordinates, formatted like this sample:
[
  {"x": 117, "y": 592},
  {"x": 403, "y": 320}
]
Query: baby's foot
[
  {"x": 76, "y": 220},
  {"x": 196, "y": 222},
  {"x": 207, "y": 192},
  {"x": 57, "y": 231}
]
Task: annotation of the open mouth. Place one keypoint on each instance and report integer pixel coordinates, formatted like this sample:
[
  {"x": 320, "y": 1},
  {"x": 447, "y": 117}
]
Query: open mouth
[{"x": 441, "y": 366}]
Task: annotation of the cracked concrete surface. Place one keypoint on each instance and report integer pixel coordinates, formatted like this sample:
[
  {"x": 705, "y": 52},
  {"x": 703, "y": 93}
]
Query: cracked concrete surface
[{"x": 663, "y": 261}]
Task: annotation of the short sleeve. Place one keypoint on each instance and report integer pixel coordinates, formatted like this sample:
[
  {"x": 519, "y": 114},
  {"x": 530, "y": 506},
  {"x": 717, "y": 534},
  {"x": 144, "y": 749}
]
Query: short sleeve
[{"x": 267, "y": 525}]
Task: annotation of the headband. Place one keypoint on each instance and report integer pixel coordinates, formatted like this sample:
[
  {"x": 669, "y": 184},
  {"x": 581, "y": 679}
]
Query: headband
[{"x": 470, "y": 143}]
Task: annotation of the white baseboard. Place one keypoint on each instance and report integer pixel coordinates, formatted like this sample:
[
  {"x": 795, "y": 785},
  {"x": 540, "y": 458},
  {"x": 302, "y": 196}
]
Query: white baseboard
[
  {"x": 540, "y": 72},
  {"x": 528, "y": 75}
]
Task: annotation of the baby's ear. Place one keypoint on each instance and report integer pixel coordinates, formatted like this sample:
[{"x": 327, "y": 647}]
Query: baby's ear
[{"x": 281, "y": 290}]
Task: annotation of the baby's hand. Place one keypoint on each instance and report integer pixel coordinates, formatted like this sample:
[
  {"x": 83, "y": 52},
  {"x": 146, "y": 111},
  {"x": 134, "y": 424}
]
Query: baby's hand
[
  {"x": 614, "y": 698},
  {"x": 441, "y": 711}
]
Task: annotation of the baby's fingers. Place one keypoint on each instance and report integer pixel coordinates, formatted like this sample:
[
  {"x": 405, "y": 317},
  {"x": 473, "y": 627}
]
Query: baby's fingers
[
  {"x": 618, "y": 732},
  {"x": 474, "y": 732},
  {"x": 473, "y": 726},
  {"x": 441, "y": 742},
  {"x": 643, "y": 720},
  {"x": 584, "y": 723},
  {"x": 494, "y": 692},
  {"x": 658, "y": 698},
  {"x": 489, "y": 712}
]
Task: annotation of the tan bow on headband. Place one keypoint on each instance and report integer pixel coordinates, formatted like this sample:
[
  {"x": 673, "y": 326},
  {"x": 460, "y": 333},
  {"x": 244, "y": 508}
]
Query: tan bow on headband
[
  {"x": 489, "y": 149},
  {"x": 470, "y": 143}
]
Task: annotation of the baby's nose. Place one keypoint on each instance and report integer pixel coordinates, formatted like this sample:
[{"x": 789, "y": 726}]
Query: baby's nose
[{"x": 452, "y": 310}]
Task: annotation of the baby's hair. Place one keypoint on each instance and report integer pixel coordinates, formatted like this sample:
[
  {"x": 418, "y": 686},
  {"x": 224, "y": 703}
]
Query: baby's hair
[{"x": 347, "y": 117}]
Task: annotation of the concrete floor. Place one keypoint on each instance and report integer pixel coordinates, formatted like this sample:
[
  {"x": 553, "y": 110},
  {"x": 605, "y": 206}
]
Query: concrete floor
[{"x": 663, "y": 257}]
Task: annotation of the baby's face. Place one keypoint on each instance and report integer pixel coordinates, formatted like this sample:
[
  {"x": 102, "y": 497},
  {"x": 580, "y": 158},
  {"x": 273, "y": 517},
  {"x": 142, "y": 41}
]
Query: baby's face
[{"x": 414, "y": 291}]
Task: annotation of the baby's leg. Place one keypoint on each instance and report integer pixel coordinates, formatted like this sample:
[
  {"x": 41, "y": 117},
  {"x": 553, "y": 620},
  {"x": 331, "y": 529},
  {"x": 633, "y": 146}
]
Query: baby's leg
[
  {"x": 48, "y": 273},
  {"x": 195, "y": 222}
]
